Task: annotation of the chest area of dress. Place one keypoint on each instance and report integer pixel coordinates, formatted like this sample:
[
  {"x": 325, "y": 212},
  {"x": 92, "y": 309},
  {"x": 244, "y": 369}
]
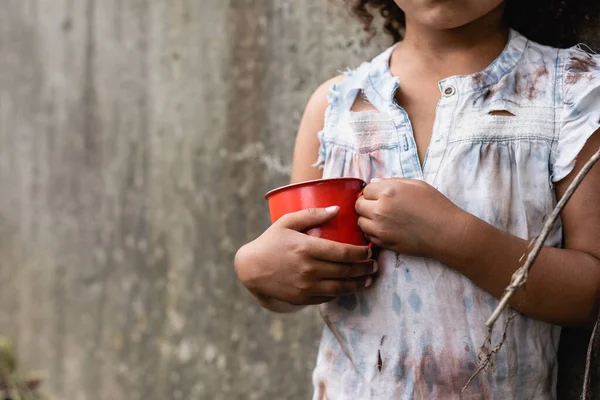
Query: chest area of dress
[
  {"x": 450, "y": 123},
  {"x": 498, "y": 134}
]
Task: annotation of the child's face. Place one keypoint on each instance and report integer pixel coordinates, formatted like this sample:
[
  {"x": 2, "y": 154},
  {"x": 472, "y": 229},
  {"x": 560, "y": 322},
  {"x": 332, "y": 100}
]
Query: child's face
[{"x": 447, "y": 14}]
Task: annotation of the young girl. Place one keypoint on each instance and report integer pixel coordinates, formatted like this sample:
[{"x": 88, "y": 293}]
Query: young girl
[{"x": 468, "y": 133}]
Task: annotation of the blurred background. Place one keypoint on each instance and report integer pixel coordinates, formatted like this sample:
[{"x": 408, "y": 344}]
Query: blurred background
[{"x": 137, "y": 138}]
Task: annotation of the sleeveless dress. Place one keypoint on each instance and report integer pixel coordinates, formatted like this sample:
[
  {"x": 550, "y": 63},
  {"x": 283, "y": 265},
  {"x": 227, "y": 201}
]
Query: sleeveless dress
[{"x": 415, "y": 333}]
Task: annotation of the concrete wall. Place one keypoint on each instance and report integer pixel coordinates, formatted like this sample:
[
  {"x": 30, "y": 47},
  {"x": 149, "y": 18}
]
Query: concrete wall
[{"x": 137, "y": 138}]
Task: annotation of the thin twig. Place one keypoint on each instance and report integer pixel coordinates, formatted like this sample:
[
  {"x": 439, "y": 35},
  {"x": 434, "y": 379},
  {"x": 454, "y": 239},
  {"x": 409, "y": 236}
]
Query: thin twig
[
  {"x": 588, "y": 361},
  {"x": 520, "y": 276},
  {"x": 487, "y": 353}
]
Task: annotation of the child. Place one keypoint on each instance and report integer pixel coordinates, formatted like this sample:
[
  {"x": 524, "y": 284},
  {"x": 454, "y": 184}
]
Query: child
[{"x": 472, "y": 132}]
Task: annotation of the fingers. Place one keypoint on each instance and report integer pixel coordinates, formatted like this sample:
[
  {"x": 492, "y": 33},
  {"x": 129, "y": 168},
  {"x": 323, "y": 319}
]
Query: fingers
[
  {"x": 337, "y": 288},
  {"x": 365, "y": 207},
  {"x": 319, "y": 281},
  {"x": 328, "y": 250},
  {"x": 311, "y": 301},
  {"x": 367, "y": 226},
  {"x": 328, "y": 271},
  {"x": 380, "y": 188},
  {"x": 373, "y": 190},
  {"x": 306, "y": 219}
]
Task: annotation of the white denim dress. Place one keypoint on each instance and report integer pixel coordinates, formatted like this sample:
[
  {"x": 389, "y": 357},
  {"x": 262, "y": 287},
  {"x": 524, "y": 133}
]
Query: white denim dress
[{"x": 415, "y": 333}]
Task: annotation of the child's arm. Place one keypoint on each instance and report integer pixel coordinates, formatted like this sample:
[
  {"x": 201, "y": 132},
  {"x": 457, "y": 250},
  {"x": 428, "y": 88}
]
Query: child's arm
[
  {"x": 411, "y": 217},
  {"x": 307, "y": 141},
  {"x": 564, "y": 284},
  {"x": 287, "y": 270}
]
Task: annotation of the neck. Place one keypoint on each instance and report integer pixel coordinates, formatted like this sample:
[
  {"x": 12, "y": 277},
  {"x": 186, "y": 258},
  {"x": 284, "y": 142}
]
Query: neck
[{"x": 461, "y": 50}]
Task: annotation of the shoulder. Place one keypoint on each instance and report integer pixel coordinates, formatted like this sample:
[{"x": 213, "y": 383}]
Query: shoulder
[
  {"x": 580, "y": 70},
  {"x": 341, "y": 88},
  {"x": 319, "y": 100},
  {"x": 580, "y": 59},
  {"x": 333, "y": 93},
  {"x": 546, "y": 76},
  {"x": 579, "y": 74},
  {"x": 538, "y": 63},
  {"x": 570, "y": 65}
]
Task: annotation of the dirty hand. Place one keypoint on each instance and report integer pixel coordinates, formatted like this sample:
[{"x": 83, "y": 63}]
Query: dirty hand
[
  {"x": 287, "y": 265},
  {"x": 407, "y": 216}
]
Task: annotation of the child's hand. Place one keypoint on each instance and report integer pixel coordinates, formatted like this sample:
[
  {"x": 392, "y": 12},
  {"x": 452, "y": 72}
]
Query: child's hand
[
  {"x": 407, "y": 216},
  {"x": 287, "y": 265}
]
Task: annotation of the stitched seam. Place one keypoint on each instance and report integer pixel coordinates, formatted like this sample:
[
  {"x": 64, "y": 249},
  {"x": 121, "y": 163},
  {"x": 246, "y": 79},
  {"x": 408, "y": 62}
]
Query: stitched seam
[
  {"x": 556, "y": 116},
  {"x": 479, "y": 139},
  {"x": 359, "y": 149},
  {"x": 505, "y": 122}
]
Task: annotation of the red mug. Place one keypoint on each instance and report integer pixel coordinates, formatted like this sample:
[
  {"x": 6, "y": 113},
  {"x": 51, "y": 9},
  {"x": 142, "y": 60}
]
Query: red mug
[{"x": 323, "y": 193}]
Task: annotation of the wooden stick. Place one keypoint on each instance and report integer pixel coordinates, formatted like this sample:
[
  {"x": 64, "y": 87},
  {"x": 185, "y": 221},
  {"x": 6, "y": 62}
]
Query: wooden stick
[{"x": 588, "y": 361}]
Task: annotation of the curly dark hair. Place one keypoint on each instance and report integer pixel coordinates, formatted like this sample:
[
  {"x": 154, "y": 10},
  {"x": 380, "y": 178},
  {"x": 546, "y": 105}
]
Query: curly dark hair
[{"x": 559, "y": 23}]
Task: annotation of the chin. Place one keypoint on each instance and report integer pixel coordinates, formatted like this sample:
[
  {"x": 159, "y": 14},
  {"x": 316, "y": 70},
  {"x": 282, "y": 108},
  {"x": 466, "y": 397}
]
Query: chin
[
  {"x": 444, "y": 20},
  {"x": 448, "y": 14}
]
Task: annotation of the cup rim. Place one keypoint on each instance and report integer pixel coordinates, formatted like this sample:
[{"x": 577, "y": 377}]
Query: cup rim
[{"x": 310, "y": 182}]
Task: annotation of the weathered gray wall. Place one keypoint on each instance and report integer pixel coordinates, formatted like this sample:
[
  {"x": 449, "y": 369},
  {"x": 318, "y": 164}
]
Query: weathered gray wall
[{"x": 136, "y": 140}]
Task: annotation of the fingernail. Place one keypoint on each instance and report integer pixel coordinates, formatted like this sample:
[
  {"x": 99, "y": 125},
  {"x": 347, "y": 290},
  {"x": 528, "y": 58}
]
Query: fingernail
[
  {"x": 332, "y": 209},
  {"x": 368, "y": 282},
  {"x": 376, "y": 180},
  {"x": 369, "y": 253},
  {"x": 375, "y": 266}
]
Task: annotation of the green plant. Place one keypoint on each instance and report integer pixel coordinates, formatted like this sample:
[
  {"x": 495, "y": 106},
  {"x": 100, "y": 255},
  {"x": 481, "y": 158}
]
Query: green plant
[{"x": 13, "y": 386}]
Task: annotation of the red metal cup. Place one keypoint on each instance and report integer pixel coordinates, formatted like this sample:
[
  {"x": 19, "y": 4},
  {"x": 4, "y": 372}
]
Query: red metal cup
[{"x": 322, "y": 193}]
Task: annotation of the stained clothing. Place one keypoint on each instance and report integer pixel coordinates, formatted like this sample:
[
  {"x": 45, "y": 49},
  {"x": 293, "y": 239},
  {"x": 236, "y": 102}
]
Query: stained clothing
[{"x": 501, "y": 138}]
